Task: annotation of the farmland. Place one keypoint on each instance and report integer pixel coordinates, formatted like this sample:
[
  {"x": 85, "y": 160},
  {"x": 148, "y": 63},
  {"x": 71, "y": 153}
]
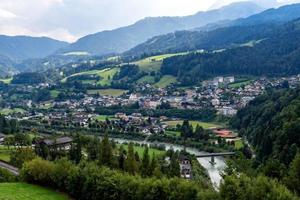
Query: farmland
[
  {"x": 165, "y": 81},
  {"x": 205, "y": 125},
  {"x": 105, "y": 76},
  {"x": 109, "y": 92}
]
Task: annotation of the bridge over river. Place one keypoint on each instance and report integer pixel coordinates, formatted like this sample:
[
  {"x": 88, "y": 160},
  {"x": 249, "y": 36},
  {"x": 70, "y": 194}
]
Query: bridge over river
[{"x": 213, "y": 155}]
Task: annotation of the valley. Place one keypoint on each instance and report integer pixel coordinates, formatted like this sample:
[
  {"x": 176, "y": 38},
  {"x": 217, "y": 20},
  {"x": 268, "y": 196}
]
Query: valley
[{"x": 203, "y": 107}]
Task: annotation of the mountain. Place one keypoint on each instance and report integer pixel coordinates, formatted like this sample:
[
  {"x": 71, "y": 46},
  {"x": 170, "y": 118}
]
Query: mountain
[
  {"x": 122, "y": 39},
  {"x": 19, "y": 48},
  {"x": 275, "y": 55},
  {"x": 218, "y": 35},
  {"x": 271, "y": 125},
  {"x": 6, "y": 67}
]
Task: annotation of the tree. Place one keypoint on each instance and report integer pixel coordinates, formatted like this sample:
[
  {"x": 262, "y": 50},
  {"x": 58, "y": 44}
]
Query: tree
[
  {"x": 93, "y": 149},
  {"x": 293, "y": 178},
  {"x": 186, "y": 129},
  {"x": 21, "y": 155},
  {"x": 106, "y": 157},
  {"x": 130, "y": 162},
  {"x": 122, "y": 157},
  {"x": 145, "y": 166},
  {"x": 75, "y": 153},
  {"x": 174, "y": 166}
]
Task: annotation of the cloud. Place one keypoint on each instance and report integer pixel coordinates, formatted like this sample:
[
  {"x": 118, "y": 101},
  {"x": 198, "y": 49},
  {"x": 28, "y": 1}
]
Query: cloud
[{"x": 71, "y": 19}]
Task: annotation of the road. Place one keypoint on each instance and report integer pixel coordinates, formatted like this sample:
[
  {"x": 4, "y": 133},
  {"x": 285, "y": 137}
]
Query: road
[{"x": 10, "y": 168}]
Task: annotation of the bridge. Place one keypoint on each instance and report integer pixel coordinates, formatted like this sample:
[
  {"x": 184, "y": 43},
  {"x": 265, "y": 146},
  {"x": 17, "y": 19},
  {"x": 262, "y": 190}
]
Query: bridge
[
  {"x": 213, "y": 155},
  {"x": 9, "y": 168}
]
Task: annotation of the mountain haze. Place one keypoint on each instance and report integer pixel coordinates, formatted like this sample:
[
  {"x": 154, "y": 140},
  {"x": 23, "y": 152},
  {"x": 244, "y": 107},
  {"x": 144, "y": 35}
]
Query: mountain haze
[
  {"x": 219, "y": 35},
  {"x": 18, "y": 48}
]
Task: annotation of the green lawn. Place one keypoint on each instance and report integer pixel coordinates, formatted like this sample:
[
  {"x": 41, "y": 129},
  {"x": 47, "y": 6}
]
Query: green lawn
[
  {"x": 54, "y": 93},
  {"x": 23, "y": 191},
  {"x": 9, "y": 111},
  {"x": 153, "y": 63},
  {"x": 106, "y": 75},
  {"x": 240, "y": 84},
  {"x": 238, "y": 144},
  {"x": 147, "y": 79},
  {"x": 103, "y": 117},
  {"x": 5, "y": 155},
  {"x": 173, "y": 133},
  {"x": 165, "y": 81},
  {"x": 108, "y": 92},
  {"x": 140, "y": 150},
  {"x": 205, "y": 125},
  {"x": 6, "y": 80}
]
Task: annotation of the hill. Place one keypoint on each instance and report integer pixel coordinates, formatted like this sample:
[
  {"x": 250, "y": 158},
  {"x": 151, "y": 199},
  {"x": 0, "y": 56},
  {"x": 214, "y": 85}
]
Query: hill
[
  {"x": 275, "y": 55},
  {"x": 122, "y": 39},
  {"x": 219, "y": 35},
  {"x": 18, "y": 48},
  {"x": 271, "y": 124}
]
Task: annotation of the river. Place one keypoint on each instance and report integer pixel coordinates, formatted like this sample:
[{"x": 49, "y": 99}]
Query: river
[{"x": 213, "y": 170}]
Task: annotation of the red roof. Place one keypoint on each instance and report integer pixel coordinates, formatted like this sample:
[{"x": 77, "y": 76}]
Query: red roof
[{"x": 224, "y": 133}]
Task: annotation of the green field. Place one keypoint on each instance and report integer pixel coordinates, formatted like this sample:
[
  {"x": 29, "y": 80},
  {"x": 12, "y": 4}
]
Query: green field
[
  {"x": 153, "y": 63},
  {"x": 165, "y": 81},
  {"x": 240, "y": 84},
  {"x": 106, "y": 75},
  {"x": 147, "y": 79},
  {"x": 5, "y": 155},
  {"x": 23, "y": 191},
  {"x": 205, "y": 125},
  {"x": 7, "y": 111},
  {"x": 108, "y": 92},
  {"x": 6, "y": 80},
  {"x": 140, "y": 150},
  {"x": 103, "y": 117},
  {"x": 173, "y": 133},
  {"x": 54, "y": 93}
]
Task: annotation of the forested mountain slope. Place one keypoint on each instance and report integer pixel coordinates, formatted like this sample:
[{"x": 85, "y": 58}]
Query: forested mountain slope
[
  {"x": 271, "y": 123},
  {"x": 218, "y": 35},
  {"x": 271, "y": 56},
  {"x": 122, "y": 39}
]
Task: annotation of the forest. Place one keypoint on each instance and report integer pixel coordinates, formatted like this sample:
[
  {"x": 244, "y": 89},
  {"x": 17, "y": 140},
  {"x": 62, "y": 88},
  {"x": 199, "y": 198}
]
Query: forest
[{"x": 275, "y": 55}]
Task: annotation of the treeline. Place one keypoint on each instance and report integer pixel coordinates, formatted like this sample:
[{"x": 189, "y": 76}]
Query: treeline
[
  {"x": 8, "y": 126},
  {"x": 29, "y": 78},
  {"x": 271, "y": 123},
  {"x": 189, "y": 114},
  {"x": 87, "y": 181},
  {"x": 271, "y": 56}
]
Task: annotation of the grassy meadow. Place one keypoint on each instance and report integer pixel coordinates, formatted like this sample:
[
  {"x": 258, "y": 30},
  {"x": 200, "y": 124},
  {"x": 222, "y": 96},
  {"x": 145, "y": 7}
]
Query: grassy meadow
[{"x": 23, "y": 191}]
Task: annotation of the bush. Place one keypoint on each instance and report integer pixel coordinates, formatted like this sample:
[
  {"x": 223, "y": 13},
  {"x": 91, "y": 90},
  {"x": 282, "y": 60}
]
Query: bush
[
  {"x": 6, "y": 176},
  {"x": 89, "y": 182}
]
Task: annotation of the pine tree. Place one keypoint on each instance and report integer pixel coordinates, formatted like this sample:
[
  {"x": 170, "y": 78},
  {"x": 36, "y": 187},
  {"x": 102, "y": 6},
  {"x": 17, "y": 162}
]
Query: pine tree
[
  {"x": 130, "y": 162},
  {"x": 174, "y": 166},
  {"x": 106, "y": 157},
  {"x": 75, "y": 153},
  {"x": 154, "y": 166},
  {"x": 122, "y": 158},
  {"x": 145, "y": 167},
  {"x": 93, "y": 149}
]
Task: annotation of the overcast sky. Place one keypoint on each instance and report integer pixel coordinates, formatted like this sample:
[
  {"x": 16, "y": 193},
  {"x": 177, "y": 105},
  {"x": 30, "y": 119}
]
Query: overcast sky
[{"x": 70, "y": 19}]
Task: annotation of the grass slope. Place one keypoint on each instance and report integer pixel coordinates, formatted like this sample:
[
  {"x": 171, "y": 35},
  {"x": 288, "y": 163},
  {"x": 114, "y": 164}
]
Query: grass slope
[
  {"x": 7, "y": 111},
  {"x": 106, "y": 75},
  {"x": 147, "y": 79},
  {"x": 165, "y": 81},
  {"x": 7, "y": 80},
  {"x": 23, "y": 191},
  {"x": 153, "y": 63}
]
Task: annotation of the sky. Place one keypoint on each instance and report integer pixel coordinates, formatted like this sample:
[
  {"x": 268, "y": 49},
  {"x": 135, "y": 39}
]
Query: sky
[{"x": 69, "y": 20}]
